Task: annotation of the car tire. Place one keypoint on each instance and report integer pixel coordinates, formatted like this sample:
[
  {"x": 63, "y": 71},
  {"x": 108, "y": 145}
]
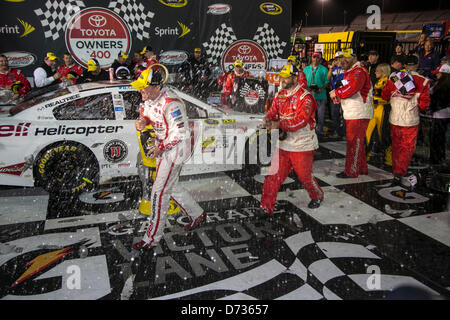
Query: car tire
[{"x": 66, "y": 167}]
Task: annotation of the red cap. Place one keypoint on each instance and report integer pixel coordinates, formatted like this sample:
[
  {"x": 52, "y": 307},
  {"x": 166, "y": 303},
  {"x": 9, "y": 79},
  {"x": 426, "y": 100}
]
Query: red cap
[{"x": 316, "y": 54}]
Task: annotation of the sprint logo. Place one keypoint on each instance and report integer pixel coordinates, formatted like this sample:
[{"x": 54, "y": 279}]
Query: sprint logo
[
  {"x": 185, "y": 29},
  {"x": 15, "y": 29},
  {"x": 180, "y": 32}
]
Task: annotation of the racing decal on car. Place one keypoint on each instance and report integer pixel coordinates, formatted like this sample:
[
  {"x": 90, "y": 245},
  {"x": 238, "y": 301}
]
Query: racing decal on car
[
  {"x": 15, "y": 169},
  {"x": 63, "y": 130},
  {"x": 21, "y": 130},
  {"x": 58, "y": 102},
  {"x": 115, "y": 151},
  {"x": 211, "y": 122},
  {"x": 208, "y": 144}
]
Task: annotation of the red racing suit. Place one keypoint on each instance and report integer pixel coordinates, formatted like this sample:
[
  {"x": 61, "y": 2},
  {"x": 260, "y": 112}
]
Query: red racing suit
[
  {"x": 404, "y": 119},
  {"x": 302, "y": 79},
  {"x": 356, "y": 97},
  {"x": 228, "y": 85},
  {"x": 167, "y": 115},
  {"x": 13, "y": 75},
  {"x": 295, "y": 112},
  {"x": 64, "y": 71}
]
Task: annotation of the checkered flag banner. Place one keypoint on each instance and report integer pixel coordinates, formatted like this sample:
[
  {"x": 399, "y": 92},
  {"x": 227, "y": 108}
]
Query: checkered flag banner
[
  {"x": 219, "y": 41},
  {"x": 403, "y": 81},
  {"x": 55, "y": 14},
  {"x": 137, "y": 17},
  {"x": 267, "y": 38}
]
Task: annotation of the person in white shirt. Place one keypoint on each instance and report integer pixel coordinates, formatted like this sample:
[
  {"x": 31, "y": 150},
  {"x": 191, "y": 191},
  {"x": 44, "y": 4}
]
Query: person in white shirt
[{"x": 46, "y": 74}]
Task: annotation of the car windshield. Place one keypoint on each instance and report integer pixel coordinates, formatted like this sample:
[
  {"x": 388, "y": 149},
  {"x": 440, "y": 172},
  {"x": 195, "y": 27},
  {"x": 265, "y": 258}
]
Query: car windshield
[{"x": 38, "y": 96}]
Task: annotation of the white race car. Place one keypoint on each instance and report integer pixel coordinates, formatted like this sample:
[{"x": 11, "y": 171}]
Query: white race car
[{"x": 70, "y": 138}]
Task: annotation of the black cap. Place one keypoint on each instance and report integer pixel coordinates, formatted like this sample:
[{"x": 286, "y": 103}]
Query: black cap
[
  {"x": 397, "y": 58},
  {"x": 156, "y": 78},
  {"x": 411, "y": 60}
]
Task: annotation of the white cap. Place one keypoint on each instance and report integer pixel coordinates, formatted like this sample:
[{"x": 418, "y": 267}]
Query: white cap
[
  {"x": 445, "y": 68},
  {"x": 338, "y": 54}
]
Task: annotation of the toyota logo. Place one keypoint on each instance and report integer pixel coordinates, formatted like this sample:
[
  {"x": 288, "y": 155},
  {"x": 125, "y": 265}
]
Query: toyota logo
[
  {"x": 244, "y": 49},
  {"x": 97, "y": 21}
]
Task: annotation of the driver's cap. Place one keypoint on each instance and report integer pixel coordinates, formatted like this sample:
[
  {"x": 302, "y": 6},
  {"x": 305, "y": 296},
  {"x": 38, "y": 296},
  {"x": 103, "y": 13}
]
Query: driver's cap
[{"x": 148, "y": 77}]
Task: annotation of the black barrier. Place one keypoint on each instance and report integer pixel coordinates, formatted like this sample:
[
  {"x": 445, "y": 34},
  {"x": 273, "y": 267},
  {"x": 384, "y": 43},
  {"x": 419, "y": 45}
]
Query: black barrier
[{"x": 250, "y": 95}]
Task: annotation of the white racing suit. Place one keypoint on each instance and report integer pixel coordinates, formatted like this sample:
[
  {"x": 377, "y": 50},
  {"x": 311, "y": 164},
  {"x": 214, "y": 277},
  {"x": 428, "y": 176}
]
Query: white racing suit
[{"x": 167, "y": 115}]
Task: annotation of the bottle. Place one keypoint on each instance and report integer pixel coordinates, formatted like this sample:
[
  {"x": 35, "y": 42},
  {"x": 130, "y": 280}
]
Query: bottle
[{"x": 111, "y": 74}]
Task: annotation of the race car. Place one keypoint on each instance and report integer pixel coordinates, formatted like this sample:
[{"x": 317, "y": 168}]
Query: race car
[{"x": 73, "y": 138}]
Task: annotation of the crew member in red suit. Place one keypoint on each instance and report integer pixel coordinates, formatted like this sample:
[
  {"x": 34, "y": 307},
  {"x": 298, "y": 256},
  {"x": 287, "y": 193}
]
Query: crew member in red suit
[
  {"x": 150, "y": 56},
  {"x": 293, "y": 111},
  {"x": 301, "y": 75},
  {"x": 13, "y": 79},
  {"x": 355, "y": 94},
  {"x": 69, "y": 69},
  {"x": 228, "y": 85},
  {"x": 408, "y": 92}
]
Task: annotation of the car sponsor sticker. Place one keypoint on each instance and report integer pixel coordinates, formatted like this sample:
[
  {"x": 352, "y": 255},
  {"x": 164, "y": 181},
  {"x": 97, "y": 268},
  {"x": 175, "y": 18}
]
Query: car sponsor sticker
[
  {"x": 211, "y": 122},
  {"x": 97, "y": 33},
  {"x": 115, "y": 151},
  {"x": 86, "y": 131},
  {"x": 15, "y": 169},
  {"x": 218, "y": 9},
  {"x": 19, "y": 130},
  {"x": 271, "y": 8},
  {"x": 20, "y": 59}
]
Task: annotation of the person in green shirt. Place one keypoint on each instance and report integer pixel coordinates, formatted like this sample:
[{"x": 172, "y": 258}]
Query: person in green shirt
[{"x": 316, "y": 76}]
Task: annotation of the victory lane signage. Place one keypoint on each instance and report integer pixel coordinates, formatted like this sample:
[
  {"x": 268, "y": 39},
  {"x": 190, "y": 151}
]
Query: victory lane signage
[
  {"x": 97, "y": 33},
  {"x": 101, "y": 29}
]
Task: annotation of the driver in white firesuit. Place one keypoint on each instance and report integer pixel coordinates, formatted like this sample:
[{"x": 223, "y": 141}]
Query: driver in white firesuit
[{"x": 166, "y": 112}]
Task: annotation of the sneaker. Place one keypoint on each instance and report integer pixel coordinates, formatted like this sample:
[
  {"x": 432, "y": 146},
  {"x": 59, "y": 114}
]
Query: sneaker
[
  {"x": 195, "y": 223},
  {"x": 334, "y": 135},
  {"x": 396, "y": 180},
  {"x": 314, "y": 204},
  {"x": 342, "y": 175},
  {"x": 261, "y": 213},
  {"x": 141, "y": 245}
]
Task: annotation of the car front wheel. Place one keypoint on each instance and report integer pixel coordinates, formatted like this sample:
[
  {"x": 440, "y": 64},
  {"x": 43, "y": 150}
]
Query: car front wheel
[{"x": 66, "y": 167}]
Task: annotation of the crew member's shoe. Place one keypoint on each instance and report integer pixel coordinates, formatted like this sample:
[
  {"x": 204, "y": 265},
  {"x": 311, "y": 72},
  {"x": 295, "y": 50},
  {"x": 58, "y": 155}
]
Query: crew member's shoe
[
  {"x": 342, "y": 175},
  {"x": 314, "y": 204},
  {"x": 261, "y": 213},
  {"x": 196, "y": 222},
  {"x": 396, "y": 180},
  {"x": 141, "y": 245}
]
